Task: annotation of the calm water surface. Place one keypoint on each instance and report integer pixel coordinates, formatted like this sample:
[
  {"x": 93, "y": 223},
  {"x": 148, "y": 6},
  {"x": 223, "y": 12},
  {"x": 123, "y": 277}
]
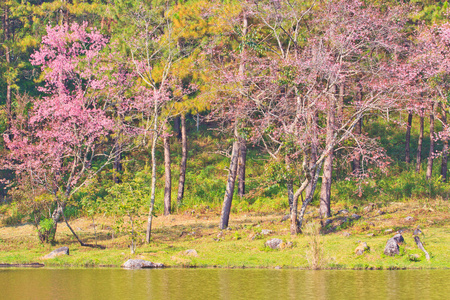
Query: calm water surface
[{"x": 222, "y": 284}]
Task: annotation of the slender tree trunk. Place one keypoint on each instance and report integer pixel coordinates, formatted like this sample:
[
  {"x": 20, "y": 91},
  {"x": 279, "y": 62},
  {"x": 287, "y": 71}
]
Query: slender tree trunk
[
  {"x": 241, "y": 167},
  {"x": 225, "y": 216},
  {"x": 357, "y": 160},
  {"x": 340, "y": 108},
  {"x": 290, "y": 191},
  {"x": 117, "y": 164},
  {"x": 419, "y": 145},
  {"x": 325, "y": 192},
  {"x": 358, "y": 131},
  {"x": 234, "y": 154},
  {"x": 148, "y": 233},
  {"x": 309, "y": 198},
  {"x": 181, "y": 182},
  {"x": 167, "y": 175},
  {"x": 408, "y": 138},
  {"x": 313, "y": 153},
  {"x": 445, "y": 148},
  {"x": 294, "y": 219},
  {"x": 177, "y": 127},
  {"x": 430, "y": 156},
  {"x": 197, "y": 121}
]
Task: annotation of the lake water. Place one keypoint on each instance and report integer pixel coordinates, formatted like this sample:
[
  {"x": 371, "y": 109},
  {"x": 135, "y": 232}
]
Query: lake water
[{"x": 222, "y": 284}]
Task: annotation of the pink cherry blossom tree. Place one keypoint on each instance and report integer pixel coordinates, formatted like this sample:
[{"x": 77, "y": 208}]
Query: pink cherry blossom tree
[{"x": 64, "y": 143}]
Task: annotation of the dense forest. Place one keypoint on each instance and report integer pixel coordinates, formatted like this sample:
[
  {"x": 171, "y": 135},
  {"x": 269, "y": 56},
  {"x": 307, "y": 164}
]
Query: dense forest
[{"x": 130, "y": 108}]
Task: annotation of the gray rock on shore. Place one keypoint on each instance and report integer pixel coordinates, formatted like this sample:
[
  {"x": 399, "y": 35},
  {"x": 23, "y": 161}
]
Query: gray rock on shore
[
  {"x": 141, "y": 264},
  {"x": 274, "y": 243},
  {"x": 57, "y": 252},
  {"x": 392, "y": 246}
]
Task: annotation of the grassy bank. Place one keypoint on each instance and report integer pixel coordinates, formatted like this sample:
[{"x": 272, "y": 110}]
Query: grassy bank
[{"x": 243, "y": 244}]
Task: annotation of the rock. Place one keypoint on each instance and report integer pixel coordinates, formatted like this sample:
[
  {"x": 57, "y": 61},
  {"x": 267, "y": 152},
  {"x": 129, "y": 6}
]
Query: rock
[
  {"x": 273, "y": 243},
  {"x": 361, "y": 248},
  {"x": 409, "y": 218},
  {"x": 417, "y": 231},
  {"x": 266, "y": 232},
  {"x": 57, "y": 252},
  {"x": 346, "y": 234},
  {"x": 343, "y": 212},
  {"x": 327, "y": 222},
  {"x": 285, "y": 218},
  {"x": 369, "y": 207},
  {"x": 370, "y": 234},
  {"x": 390, "y": 230},
  {"x": 141, "y": 264},
  {"x": 191, "y": 252},
  {"x": 392, "y": 248},
  {"x": 399, "y": 238},
  {"x": 356, "y": 217},
  {"x": 220, "y": 235},
  {"x": 380, "y": 212}
]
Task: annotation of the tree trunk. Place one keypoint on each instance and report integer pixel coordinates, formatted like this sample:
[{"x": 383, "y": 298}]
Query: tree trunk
[
  {"x": 241, "y": 167},
  {"x": 340, "y": 108},
  {"x": 290, "y": 191},
  {"x": 310, "y": 197},
  {"x": 325, "y": 192},
  {"x": 153, "y": 189},
  {"x": 445, "y": 148},
  {"x": 183, "y": 160},
  {"x": 230, "y": 187},
  {"x": 357, "y": 160},
  {"x": 419, "y": 145},
  {"x": 408, "y": 138},
  {"x": 430, "y": 156},
  {"x": 167, "y": 174},
  {"x": 177, "y": 127},
  {"x": 294, "y": 220},
  {"x": 197, "y": 121},
  {"x": 358, "y": 131},
  {"x": 313, "y": 153},
  {"x": 117, "y": 164},
  {"x": 148, "y": 233}
]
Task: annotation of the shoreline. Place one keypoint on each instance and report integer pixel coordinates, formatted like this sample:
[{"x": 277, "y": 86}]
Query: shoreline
[{"x": 194, "y": 240}]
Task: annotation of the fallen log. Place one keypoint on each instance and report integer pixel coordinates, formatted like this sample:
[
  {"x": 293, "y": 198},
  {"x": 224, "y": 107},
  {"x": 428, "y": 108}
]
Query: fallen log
[{"x": 419, "y": 244}]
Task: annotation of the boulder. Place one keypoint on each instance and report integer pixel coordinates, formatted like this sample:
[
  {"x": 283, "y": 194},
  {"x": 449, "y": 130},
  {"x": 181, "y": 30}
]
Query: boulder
[
  {"x": 191, "y": 252},
  {"x": 327, "y": 222},
  {"x": 266, "y": 231},
  {"x": 343, "y": 211},
  {"x": 273, "y": 243},
  {"x": 356, "y": 217},
  {"x": 409, "y": 218},
  {"x": 285, "y": 218},
  {"x": 390, "y": 230},
  {"x": 57, "y": 252},
  {"x": 399, "y": 238},
  {"x": 363, "y": 247},
  {"x": 392, "y": 246},
  {"x": 346, "y": 234},
  {"x": 140, "y": 264}
]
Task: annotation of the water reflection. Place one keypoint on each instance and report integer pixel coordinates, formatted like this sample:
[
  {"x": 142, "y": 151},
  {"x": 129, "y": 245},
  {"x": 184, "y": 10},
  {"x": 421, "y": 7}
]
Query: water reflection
[{"x": 221, "y": 284}]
